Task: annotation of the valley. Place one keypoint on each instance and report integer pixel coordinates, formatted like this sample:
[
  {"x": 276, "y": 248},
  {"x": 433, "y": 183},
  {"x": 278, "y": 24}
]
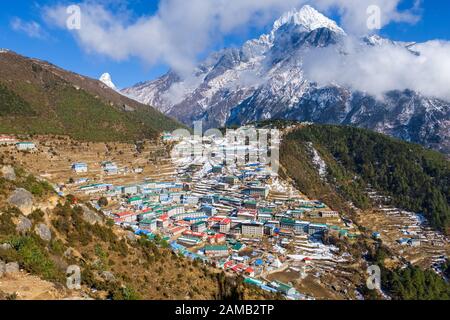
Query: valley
[
  {"x": 302, "y": 161},
  {"x": 240, "y": 219}
]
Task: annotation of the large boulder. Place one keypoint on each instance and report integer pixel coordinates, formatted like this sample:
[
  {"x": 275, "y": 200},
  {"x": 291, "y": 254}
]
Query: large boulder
[
  {"x": 131, "y": 236},
  {"x": 23, "y": 200},
  {"x": 12, "y": 267},
  {"x": 9, "y": 173},
  {"x": 91, "y": 216},
  {"x": 5, "y": 246},
  {"x": 43, "y": 232},
  {"x": 24, "y": 225},
  {"x": 68, "y": 253},
  {"x": 108, "y": 276}
]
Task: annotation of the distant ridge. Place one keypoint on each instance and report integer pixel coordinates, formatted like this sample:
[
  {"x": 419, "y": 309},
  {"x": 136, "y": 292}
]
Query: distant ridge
[{"x": 37, "y": 97}]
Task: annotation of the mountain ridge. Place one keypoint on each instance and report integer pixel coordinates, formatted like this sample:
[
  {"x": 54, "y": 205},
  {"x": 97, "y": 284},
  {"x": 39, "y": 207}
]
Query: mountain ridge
[
  {"x": 41, "y": 98},
  {"x": 265, "y": 79}
]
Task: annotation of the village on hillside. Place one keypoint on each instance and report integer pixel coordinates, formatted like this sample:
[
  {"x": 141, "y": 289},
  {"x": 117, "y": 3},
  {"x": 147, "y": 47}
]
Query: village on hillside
[{"x": 238, "y": 216}]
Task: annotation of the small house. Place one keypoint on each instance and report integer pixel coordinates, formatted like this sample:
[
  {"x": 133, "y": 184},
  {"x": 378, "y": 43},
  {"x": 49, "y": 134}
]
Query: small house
[
  {"x": 110, "y": 168},
  {"x": 132, "y": 189},
  {"x": 217, "y": 169},
  {"x": 216, "y": 251},
  {"x": 329, "y": 214},
  {"x": 80, "y": 167},
  {"x": 25, "y": 146},
  {"x": 199, "y": 226},
  {"x": 148, "y": 224},
  {"x": 252, "y": 229},
  {"x": 7, "y": 140},
  {"x": 135, "y": 201},
  {"x": 316, "y": 229},
  {"x": 232, "y": 180}
]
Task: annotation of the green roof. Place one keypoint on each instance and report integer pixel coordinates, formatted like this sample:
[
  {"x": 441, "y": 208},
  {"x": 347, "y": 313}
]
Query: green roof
[
  {"x": 283, "y": 286},
  {"x": 287, "y": 221},
  {"x": 216, "y": 248},
  {"x": 265, "y": 210},
  {"x": 238, "y": 246},
  {"x": 147, "y": 221}
]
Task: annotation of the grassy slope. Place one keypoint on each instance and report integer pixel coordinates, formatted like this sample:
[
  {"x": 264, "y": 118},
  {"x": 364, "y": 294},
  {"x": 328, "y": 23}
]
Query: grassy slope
[{"x": 38, "y": 98}]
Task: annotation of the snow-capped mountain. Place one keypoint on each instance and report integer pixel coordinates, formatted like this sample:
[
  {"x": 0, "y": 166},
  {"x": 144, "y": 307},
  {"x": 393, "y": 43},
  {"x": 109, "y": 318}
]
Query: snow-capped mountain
[
  {"x": 265, "y": 79},
  {"x": 106, "y": 79}
]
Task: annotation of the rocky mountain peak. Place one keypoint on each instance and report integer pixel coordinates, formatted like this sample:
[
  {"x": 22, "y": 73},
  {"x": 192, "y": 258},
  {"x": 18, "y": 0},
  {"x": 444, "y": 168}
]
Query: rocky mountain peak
[
  {"x": 308, "y": 18},
  {"x": 266, "y": 79}
]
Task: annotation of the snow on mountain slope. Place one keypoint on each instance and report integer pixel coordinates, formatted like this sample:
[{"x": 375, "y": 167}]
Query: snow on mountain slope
[
  {"x": 265, "y": 79},
  {"x": 106, "y": 79},
  {"x": 309, "y": 18}
]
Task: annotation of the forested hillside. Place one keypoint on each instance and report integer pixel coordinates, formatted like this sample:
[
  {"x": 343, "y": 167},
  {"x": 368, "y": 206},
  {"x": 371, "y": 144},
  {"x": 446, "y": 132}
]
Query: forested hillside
[{"x": 415, "y": 178}]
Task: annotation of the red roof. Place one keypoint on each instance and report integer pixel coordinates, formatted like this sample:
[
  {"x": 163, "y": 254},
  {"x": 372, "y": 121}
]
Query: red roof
[
  {"x": 251, "y": 211},
  {"x": 182, "y": 223},
  {"x": 177, "y": 229},
  {"x": 125, "y": 214},
  {"x": 216, "y": 219},
  {"x": 194, "y": 234}
]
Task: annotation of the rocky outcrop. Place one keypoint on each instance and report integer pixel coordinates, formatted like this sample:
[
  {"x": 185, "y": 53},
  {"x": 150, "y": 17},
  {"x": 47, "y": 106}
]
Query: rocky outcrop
[
  {"x": 24, "y": 225},
  {"x": 23, "y": 200},
  {"x": 108, "y": 276},
  {"x": 91, "y": 216},
  {"x": 131, "y": 236},
  {"x": 5, "y": 246},
  {"x": 9, "y": 173},
  {"x": 11, "y": 268},
  {"x": 43, "y": 232}
]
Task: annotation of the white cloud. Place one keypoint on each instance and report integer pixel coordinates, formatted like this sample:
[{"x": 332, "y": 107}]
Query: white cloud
[
  {"x": 383, "y": 67},
  {"x": 354, "y": 12},
  {"x": 181, "y": 30},
  {"x": 31, "y": 28}
]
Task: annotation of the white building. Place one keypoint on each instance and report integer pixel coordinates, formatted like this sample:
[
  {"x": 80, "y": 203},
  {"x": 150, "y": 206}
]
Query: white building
[
  {"x": 25, "y": 146},
  {"x": 252, "y": 229},
  {"x": 80, "y": 167}
]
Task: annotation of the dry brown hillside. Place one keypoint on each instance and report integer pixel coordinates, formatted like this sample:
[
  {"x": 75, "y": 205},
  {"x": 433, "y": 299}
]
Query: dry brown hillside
[{"x": 114, "y": 263}]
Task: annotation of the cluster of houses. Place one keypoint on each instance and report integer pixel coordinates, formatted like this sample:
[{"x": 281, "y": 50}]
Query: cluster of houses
[
  {"x": 20, "y": 145},
  {"x": 214, "y": 213},
  {"x": 108, "y": 168}
]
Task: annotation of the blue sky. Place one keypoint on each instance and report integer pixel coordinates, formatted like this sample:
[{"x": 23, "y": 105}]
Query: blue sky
[{"x": 58, "y": 46}]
